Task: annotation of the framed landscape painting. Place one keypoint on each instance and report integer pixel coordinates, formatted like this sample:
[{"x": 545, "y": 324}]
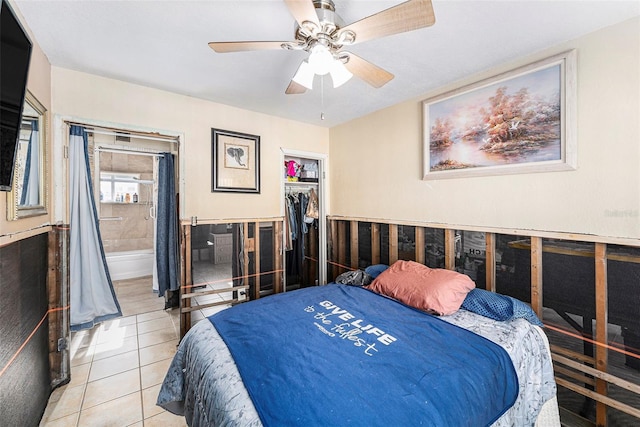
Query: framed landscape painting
[
  {"x": 236, "y": 162},
  {"x": 522, "y": 121}
]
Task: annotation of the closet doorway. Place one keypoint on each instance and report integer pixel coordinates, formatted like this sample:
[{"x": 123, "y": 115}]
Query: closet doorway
[{"x": 303, "y": 204}]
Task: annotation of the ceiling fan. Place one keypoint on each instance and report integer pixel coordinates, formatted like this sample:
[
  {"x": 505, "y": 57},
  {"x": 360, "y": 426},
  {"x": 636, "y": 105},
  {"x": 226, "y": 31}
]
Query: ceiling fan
[{"x": 321, "y": 33}]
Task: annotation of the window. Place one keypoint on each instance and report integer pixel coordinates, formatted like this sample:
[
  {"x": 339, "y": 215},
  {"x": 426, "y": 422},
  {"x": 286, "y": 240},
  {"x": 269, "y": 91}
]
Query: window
[{"x": 119, "y": 187}]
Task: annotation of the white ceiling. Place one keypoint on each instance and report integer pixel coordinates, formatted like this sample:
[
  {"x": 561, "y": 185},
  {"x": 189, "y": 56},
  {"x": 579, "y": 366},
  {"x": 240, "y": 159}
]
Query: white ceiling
[{"x": 163, "y": 44}]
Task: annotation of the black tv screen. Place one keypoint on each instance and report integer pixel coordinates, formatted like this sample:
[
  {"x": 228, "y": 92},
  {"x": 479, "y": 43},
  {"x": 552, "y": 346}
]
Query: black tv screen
[{"x": 15, "y": 54}]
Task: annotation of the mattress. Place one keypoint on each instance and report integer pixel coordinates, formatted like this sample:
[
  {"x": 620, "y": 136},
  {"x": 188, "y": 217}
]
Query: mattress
[{"x": 204, "y": 384}]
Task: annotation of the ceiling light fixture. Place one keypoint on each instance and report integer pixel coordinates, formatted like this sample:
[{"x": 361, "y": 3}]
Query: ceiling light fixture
[
  {"x": 339, "y": 73},
  {"x": 304, "y": 75},
  {"x": 321, "y": 61}
]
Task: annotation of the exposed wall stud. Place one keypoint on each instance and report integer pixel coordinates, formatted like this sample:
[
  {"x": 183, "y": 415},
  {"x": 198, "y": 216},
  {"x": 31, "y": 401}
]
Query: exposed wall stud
[
  {"x": 602, "y": 321},
  {"x": 355, "y": 257},
  {"x": 450, "y": 249},
  {"x": 375, "y": 243},
  {"x": 420, "y": 245},
  {"x": 490, "y": 261},
  {"x": 393, "y": 243},
  {"x": 536, "y": 275}
]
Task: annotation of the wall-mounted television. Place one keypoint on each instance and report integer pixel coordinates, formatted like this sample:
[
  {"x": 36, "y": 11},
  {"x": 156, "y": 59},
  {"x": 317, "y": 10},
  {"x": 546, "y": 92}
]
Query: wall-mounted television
[{"x": 15, "y": 55}]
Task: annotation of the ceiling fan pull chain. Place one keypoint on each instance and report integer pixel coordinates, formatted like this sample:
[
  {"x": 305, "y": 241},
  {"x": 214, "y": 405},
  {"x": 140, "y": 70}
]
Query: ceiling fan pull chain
[{"x": 321, "y": 97}]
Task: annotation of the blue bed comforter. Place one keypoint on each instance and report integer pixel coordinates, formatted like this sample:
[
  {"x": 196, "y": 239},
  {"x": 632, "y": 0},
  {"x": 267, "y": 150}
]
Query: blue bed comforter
[{"x": 342, "y": 355}]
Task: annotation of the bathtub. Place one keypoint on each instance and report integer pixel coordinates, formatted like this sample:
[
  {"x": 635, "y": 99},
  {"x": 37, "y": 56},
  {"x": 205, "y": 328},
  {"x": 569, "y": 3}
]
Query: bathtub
[{"x": 130, "y": 264}]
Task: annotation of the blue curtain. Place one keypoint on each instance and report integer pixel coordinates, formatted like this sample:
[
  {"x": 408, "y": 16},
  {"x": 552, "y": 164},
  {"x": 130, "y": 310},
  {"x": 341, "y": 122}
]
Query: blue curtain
[
  {"x": 93, "y": 299},
  {"x": 31, "y": 180},
  {"x": 167, "y": 256}
]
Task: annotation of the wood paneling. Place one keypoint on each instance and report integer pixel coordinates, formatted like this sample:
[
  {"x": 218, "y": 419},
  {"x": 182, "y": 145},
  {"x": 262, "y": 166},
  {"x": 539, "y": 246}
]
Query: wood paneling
[{"x": 25, "y": 370}]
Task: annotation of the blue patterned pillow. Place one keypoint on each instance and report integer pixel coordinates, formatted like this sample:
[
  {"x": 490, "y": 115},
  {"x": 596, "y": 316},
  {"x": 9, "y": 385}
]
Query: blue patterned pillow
[
  {"x": 375, "y": 270},
  {"x": 499, "y": 307}
]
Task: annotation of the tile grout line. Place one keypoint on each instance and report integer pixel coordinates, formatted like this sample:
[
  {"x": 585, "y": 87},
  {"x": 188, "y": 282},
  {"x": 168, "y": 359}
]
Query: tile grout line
[
  {"x": 84, "y": 390},
  {"x": 140, "y": 394},
  {"x": 86, "y": 381}
]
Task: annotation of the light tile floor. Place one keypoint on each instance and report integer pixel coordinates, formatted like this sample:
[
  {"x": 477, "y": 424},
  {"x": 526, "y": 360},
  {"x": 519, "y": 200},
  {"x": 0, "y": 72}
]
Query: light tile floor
[
  {"x": 116, "y": 372},
  {"x": 117, "y": 367}
]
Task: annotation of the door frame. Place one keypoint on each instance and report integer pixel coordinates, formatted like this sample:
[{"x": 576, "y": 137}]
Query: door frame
[
  {"x": 322, "y": 160},
  {"x": 60, "y": 175}
]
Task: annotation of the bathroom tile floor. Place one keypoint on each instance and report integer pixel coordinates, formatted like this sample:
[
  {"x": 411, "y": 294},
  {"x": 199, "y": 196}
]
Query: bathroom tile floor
[
  {"x": 118, "y": 366},
  {"x": 136, "y": 296}
]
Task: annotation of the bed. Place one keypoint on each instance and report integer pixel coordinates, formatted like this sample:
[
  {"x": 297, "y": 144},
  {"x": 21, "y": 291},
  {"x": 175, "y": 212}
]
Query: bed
[{"x": 357, "y": 355}]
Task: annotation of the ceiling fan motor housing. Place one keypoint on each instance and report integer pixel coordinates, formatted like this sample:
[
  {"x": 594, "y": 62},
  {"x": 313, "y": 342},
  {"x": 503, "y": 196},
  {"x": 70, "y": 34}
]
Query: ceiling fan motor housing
[
  {"x": 310, "y": 34},
  {"x": 326, "y": 11}
]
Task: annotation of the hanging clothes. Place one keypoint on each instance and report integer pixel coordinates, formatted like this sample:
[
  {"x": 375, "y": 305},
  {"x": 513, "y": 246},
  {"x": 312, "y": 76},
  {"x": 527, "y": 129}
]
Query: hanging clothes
[
  {"x": 294, "y": 264},
  {"x": 303, "y": 200},
  {"x": 298, "y": 226},
  {"x": 288, "y": 243},
  {"x": 93, "y": 299},
  {"x": 304, "y": 227},
  {"x": 294, "y": 203},
  {"x": 313, "y": 209}
]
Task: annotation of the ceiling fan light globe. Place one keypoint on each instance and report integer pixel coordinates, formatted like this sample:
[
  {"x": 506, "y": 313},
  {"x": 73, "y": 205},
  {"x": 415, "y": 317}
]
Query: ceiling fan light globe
[
  {"x": 339, "y": 73},
  {"x": 304, "y": 76},
  {"x": 320, "y": 60}
]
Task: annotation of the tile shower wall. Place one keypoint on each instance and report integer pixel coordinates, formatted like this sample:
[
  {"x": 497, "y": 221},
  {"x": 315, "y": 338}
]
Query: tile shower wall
[{"x": 128, "y": 226}]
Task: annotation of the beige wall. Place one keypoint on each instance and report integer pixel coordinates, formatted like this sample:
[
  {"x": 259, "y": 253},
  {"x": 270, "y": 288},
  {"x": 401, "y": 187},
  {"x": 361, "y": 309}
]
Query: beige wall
[
  {"x": 602, "y": 197},
  {"x": 39, "y": 83},
  {"x": 89, "y": 97},
  {"x": 376, "y": 161}
]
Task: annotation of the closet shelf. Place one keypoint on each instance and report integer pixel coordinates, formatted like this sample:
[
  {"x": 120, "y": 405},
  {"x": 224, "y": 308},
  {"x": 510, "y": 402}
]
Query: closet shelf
[
  {"x": 123, "y": 203},
  {"x": 300, "y": 183}
]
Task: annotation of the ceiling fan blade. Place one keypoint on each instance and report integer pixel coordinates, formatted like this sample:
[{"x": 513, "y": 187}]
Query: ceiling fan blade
[
  {"x": 303, "y": 10},
  {"x": 408, "y": 16},
  {"x": 295, "y": 88},
  {"x": 370, "y": 73},
  {"x": 224, "y": 47}
]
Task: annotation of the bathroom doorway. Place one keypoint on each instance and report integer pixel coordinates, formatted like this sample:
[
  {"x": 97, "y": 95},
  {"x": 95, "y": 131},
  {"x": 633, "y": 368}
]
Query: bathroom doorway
[{"x": 125, "y": 171}]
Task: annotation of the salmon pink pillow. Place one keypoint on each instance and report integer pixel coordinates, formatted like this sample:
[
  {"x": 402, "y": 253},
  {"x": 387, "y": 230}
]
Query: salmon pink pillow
[{"x": 433, "y": 290}]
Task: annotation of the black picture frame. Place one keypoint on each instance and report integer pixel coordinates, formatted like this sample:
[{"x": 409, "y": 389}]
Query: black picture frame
[{"x": 235, "y": 162}]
